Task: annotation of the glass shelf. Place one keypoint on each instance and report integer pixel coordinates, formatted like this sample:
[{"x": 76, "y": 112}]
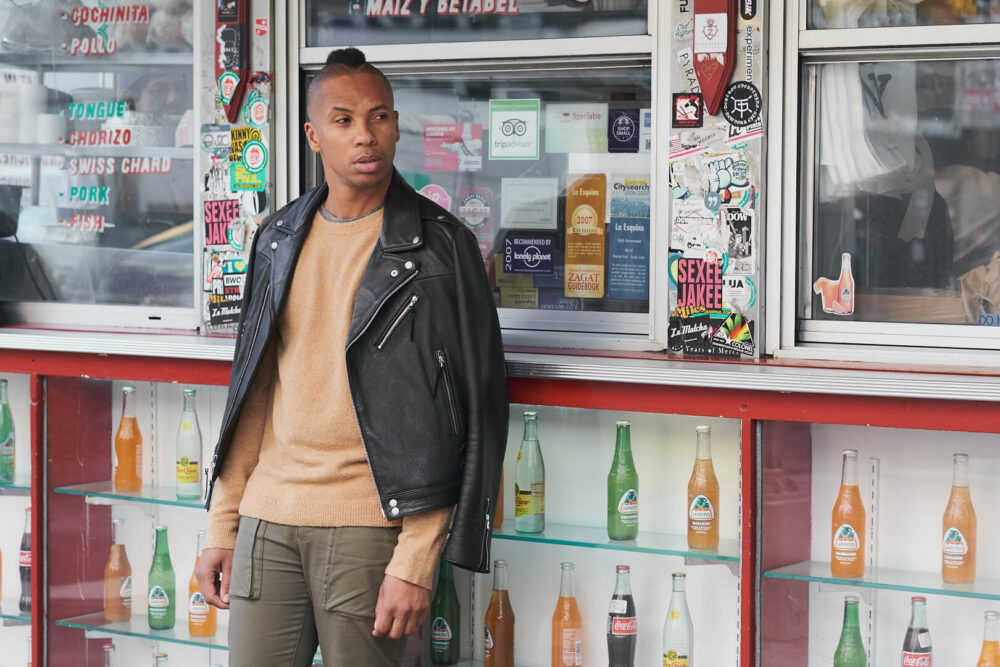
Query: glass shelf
[
  {"x": 156, "y": 495},
  {"x": 888, "y": 579},
  {"x": 184, "y": 153},
  {"x": 597, "y": 538},
  {"x": 19, "y": 487},
  {"x": 92, "y": 63},
  {"x": 9, "y": 611}
]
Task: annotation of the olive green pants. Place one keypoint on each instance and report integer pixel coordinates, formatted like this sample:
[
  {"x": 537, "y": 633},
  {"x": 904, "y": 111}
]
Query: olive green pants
[{"x": 295, "y": 587}]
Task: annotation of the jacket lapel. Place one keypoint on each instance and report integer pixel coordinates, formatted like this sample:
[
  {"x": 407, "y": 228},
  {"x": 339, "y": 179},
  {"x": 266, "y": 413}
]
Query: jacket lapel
[{"x": 284, "y": 244}]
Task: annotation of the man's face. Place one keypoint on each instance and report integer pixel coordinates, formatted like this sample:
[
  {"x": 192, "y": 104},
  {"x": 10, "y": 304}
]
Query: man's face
[{"x": 354, "y": 128}]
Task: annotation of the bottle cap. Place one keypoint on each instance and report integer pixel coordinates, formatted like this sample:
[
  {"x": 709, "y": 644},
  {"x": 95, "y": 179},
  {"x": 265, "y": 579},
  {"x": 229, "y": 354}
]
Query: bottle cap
[
  {"x": 919, "y": 598},
  {"x": 850, "y": 452},
  {"x": 679, "y": 575},
  {"x": 851, "y": 599},
  {"x": 992, "y": 614},
  {"x": 961, "y": 457},
  {"x": 499, "y": 563},
  {"x": 127, "y": 389},
  {"x": 622, "y": 568},
  {"x": 160, "y": 527},
  {"x": 704, "y": 429},
  {"x": 530, "y": 414},
  {"x": 567, "y": 565},
  {"x": 623, "y": 423}
]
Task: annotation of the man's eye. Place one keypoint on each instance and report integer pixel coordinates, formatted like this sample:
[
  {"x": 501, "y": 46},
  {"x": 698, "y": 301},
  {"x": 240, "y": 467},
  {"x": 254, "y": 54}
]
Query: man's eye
[{"x": 342, "y": 121}]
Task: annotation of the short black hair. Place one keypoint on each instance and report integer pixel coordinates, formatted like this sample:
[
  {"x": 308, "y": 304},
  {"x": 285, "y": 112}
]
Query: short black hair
[{"x": 339, "y": 63}]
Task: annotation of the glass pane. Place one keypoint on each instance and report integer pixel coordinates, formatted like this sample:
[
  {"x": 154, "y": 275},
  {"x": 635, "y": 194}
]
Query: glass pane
[
  {"x": 361, "y": 22},
  {"x": 556, "y": 156},
  {"x": 836, "y": 14},
  {"x": 96, "y": 156},
  {"x": 906, "y": 191}
]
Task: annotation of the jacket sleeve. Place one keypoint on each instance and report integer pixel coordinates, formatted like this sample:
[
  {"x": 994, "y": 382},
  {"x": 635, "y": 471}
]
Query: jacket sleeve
[{"x": 484, "y": 384}]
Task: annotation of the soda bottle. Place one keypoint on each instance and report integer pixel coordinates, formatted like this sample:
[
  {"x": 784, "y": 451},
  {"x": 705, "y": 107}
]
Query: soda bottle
[
  {"x": 160, "y": 599},
  {"x": 201, "y": 615},
  {"x": 117, "y": 579},
  {"x": 847, "y": 548},
  {"x": 189, "y": 450},
  {"x": 498, "y": 634},
  {"x": 128, "y": 447},
  {"x": 622, "y": 626},
  {"x": 703, "y": 496},
  {"x": 990, "y": 655},
  {"x": 850, "y": 650},
  {"x": 845, "y": 287},
  {"x": 24, "y": 563},
  {"x": 446, "y": 619},
  {"x": 529, "y": 480},
  {"x": 678, "y": 631},
  {"x": 6, "y": 437},
  {"x": 109, "y": 655},
  {"x": 161, "y": 660},
  {"x": 623, "y": 489},
  {"x": 917, "y": 651},
  {"x": 958, "y": 546},
  {"x": 567, "y": 624}
]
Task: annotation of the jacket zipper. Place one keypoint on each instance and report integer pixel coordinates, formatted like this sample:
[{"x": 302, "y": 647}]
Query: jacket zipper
[
  {"x": 486, "y": 537},
  {"x": 399, "y": 319},
  {"x": 447, "y": 388}
]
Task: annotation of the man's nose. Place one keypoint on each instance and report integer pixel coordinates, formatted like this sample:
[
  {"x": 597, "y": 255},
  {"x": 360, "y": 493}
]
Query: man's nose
[{"x": 364, "y": 135}]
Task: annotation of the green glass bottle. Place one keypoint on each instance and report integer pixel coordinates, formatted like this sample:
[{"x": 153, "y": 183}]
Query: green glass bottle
[
  {"x": 160, "y": 599},
  {"x": 850, "y": 650},
  {"x": 623, "y": 489},
  {"x": 6, "y": 437},
  {"x": 446, "y": 621}
]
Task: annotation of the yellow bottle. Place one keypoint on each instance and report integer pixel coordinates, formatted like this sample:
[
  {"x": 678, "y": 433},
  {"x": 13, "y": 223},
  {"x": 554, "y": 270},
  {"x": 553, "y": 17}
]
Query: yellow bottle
[{"x": 703, "y": 496}]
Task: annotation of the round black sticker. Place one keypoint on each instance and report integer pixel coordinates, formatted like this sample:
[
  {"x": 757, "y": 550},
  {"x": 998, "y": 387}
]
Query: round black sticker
[{"x": 741, "y": 104}]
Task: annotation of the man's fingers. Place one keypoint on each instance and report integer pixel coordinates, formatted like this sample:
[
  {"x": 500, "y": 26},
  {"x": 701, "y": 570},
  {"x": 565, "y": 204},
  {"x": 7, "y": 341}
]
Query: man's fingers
[
  {"x": 227, "y": 573},
  {"x": 398, "y": 626},
  {"x": 414, "y": 621}
]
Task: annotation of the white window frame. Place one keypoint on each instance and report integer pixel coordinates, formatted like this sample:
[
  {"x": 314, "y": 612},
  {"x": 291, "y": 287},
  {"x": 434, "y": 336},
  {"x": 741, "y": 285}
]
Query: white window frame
[{"x": 792, "y": 46}]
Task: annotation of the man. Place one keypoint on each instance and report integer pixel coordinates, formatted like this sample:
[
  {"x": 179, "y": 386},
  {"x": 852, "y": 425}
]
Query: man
[{"x": 367, "y": 401}]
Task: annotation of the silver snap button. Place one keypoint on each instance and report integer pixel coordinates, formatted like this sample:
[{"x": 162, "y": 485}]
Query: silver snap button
[
  {"x": 394, "y": 511},
  {"x": 440, "y": 217},
  {"x": 408, "y": 265},
  {"x": 274, "y": 245},
  {"x": 394, "y": 273},
  {"x": 281, "y": 222},
  {"x": 392, "y": 503},
  {"x": 416, "y": 239}
]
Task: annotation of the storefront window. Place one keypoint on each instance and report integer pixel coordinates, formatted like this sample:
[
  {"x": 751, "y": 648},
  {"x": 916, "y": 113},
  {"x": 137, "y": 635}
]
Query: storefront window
[
  {"x": 549, "y": 169},
  {"x": 363, "y": 22},
  {"x": 96, "y": 154},
  {"x": 902, "y": 219},
  {"x": 837, "y": 14}
]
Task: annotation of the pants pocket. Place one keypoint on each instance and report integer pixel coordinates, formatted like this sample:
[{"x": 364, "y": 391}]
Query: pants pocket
[
  {"x": 355, "y": 567},
  {"x": 248, "y": 570}
]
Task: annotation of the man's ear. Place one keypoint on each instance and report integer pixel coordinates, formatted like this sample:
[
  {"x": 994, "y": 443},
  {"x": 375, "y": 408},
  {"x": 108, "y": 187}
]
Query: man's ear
[
  {"x": 396, "y": 115},
  {"x": 311, "y": 136}
]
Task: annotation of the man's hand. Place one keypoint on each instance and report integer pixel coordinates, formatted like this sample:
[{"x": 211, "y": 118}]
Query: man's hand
[
  {"x": 401, "y": 607},
  {"x": 213, "y": 564}
]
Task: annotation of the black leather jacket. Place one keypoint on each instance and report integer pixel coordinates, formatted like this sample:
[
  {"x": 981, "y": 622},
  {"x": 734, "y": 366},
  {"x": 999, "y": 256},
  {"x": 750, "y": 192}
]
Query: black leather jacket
[{"x": 424, "y": 361}]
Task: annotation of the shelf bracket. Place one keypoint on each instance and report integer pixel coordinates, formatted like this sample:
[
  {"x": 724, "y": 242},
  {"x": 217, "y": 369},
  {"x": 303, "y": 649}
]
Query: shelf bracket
[{"x": 733, "y": 565}]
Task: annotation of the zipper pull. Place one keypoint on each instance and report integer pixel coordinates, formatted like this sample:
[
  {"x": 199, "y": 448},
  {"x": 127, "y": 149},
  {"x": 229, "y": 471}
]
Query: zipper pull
[{"x": 441, "y": 359}]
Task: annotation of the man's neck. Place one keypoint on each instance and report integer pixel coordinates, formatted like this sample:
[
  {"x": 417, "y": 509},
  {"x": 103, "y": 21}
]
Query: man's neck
[{"x": 346, "y": 202}]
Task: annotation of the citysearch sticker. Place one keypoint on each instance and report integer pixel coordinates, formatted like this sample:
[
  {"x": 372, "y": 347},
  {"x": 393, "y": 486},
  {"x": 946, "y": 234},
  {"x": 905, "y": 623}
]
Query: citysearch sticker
[
  {"x": 741, "y": 104},
  {"x": 254, "y": 155}
]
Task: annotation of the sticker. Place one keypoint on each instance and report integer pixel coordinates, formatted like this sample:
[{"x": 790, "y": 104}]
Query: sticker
[
  {"x": 453, "y": 147},
  {"x": 576, "y": 128},
  {"x": 685, "y": 59},
  {"x": 989, "y": 319},
  {"x": 585, "y": 235},
  {"x": 694, "y": 228},
  {"x": 710, "y": 32},
  {"x": 255, "y": 204},
  {"x": 645, "y": 130},
  {"x": 215, "y": 139},
  {"x": 256, "y": 110},
  {"x": 254, "y": 156},
  {"x": 688, "y": 110},
  {"x": 748, "y": 9},
  {"x": 713, "y": 201},
  {"x": 529, "y": 203},
  {"x": 217, "y": 180},
  {"x": 219, "y": 215},
  {"x": 699, "y": 283},
  {"x": 514, "y": 129},
  {"x": 739, "y": 292},
  {"x": 552, "y": 298},
  {"x": 690, "y": 330},
  {"x": 684, "y": 31},
  {"x": 735, "y": 335},
  {"x": 260, "y": 27},
  {"x": 228, "y": 81},
  {"x": 738, "y": 225},
  {"x": 741, "y": 104},
  {"x": 241, "y": 178},
  {"x": 628, "y": 238},
  {"x": 239, "y": 136},
  {"x": 837, "y": 296},
  {"x": 518, "y": 297},
  {"x": 475, "y": 209},
  {"x": 504, "y": 279},
  {"x": 623, "y": 131},
  {"x": 726, "y": 172},
  {"x": 438, "y": 195},
  {"x": 529, "y": 253}
]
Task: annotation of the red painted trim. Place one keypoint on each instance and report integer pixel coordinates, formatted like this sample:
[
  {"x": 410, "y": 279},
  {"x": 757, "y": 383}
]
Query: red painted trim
[
  {"x": 115, "y": 367},
  {"x": 37, "y": 392},
  {"x": 748, "y": 543}
]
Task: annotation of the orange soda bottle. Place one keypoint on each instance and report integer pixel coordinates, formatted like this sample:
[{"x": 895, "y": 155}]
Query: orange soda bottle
[
  {"x": 128, "y": 447},
  {"x": 845, "y": 287},
  {"x": 847, "y": 549},
  {"x": 498, "y": 633},
  {"x": 990, "y": 655},
  {"x": 958, "y": 542},
  {"x": 117, "y": 579},
  {"x": 703, "y": 496},
  {"x": 201, "y": 615},
  {"x": 567, "y": 624}
]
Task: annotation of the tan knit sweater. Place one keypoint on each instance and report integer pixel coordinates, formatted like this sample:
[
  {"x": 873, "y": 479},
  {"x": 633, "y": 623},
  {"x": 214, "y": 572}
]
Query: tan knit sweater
[{"x": 297, "y": 456}]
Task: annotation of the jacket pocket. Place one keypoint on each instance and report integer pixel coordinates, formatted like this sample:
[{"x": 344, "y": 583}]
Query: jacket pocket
[
  {"x": 449, "y": 390},
  {"x": 397, "y": 320}
]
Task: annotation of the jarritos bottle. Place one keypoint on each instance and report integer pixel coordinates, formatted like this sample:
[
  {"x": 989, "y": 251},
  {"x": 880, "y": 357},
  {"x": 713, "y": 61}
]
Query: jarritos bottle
[
  {"x": 446, "y": 619},
  {"x": 188, "y": 450},
  {"x": 622, "y": 624},
  {"x": 6, "y": 437},
  {"x": 160, "y": 593},
  {"x": 117, "y": 579},
  {"x": 703, "y": 496},
  {"x": 128, "y": 446},
  {"x": 623, "y": 489},
  {"x": 498, "y": 633},
  {"x": 990, "y": 655},
  {"x": 678, "y": 630},
  {"x": 567, "y": 624},
  {"x": 845, "y": 287},
  {"x": 529, "y": 480},
  {"x": 917, "y": 650},
  {"x": 958, "y": 542},
  {"x": 201, "y": 615},
  {"x": 109, "y": 655},
  {"x": 847, "y": 550},
  {"x": 850, "y": 650}
]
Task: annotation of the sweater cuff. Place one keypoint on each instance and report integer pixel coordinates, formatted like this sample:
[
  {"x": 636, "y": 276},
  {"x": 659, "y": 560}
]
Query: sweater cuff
[{"x": 419, "y": 546}]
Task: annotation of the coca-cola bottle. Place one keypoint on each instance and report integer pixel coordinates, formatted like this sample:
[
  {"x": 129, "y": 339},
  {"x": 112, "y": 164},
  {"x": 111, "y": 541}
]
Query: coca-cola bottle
[
  {"x": 621, "y": 622},
  {"x": 917, "y": 651},
  {"x": 24, "y": 563}
]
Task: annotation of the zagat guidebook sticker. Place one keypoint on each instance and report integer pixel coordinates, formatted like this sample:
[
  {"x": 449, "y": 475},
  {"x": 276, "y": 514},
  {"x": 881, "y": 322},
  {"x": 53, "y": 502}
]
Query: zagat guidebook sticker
[{"x": 585, "y": 238}]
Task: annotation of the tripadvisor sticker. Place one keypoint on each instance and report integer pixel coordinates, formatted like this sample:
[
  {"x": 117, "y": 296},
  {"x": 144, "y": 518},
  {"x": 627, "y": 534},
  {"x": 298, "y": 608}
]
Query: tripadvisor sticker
[
  {"x": 254, "y": 156},
  {"x": 228, "y": 81}
]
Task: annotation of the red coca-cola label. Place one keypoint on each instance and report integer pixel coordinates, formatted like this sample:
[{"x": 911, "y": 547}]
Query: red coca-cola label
[
  {"x": 916, "y": 659},
  {"x": 24, "y": 559},
  {"x": 623, "y": 625}
]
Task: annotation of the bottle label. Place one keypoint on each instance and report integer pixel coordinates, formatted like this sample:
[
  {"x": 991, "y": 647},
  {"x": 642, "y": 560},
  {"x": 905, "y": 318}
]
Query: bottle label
[
  {"x": 846, "y": 543},
  {"x": 618, "y": 606},
  {"x": 158, "y": 602},
  {"x": 24, "y": 559},
  {"x": 440, "y": 634},
  {"x": 197, "y": 608},
  {"x": 528, "y": 502},
  {"x": 622, "y": 626},
  {"x": 701, "y": 514},
  {"x": 572, "y": 647},
  {"x": 487, "y": 641},
  {"x": 187, "y": 471},
  {"x": 924, "y": 639},
  {"x": 955, "y": 547},
  {"x": 185, "y": 425},
  {"x": 628, "y": 508},
  {"x": 916, "y": 659},
  {"x": 675, "y": 658},
  {"x": 675, "y": 614},
  {"x": 7, "y": 450},
  {"x": 125, "y": 592},
  {"x": 138, "y": 460}
]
